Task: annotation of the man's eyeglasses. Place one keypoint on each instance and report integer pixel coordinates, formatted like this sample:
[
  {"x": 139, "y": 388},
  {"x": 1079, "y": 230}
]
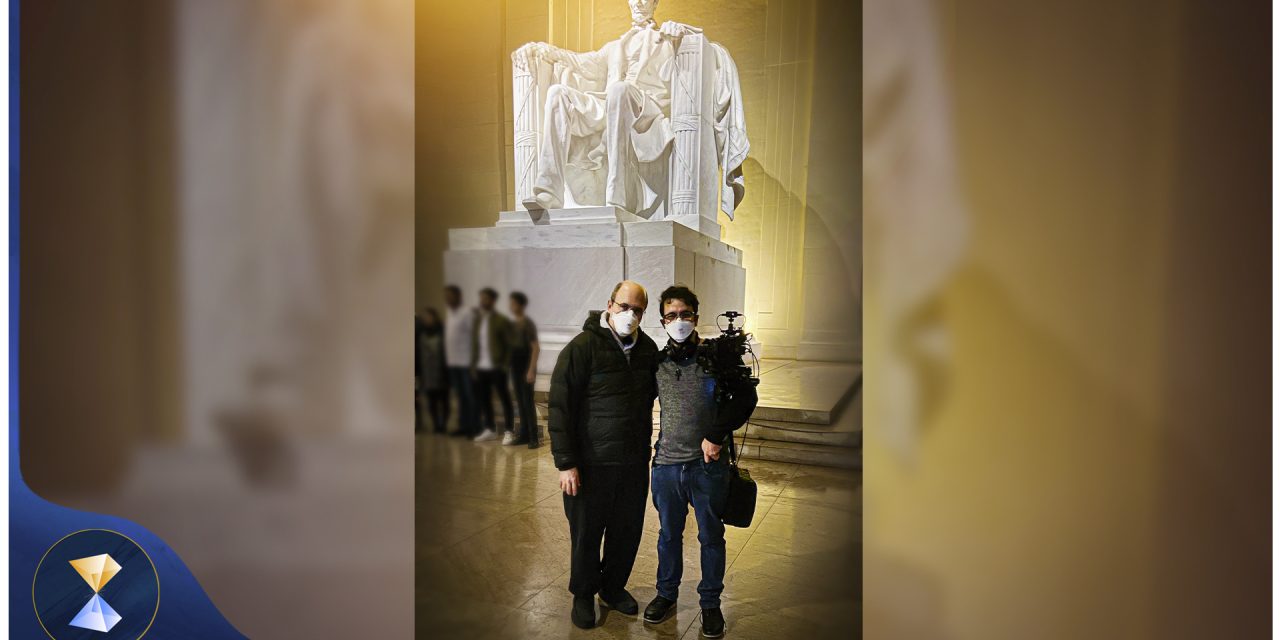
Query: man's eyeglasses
[
  {"x": 626, "y": 307},
  {"x": 683, "y": 315}
]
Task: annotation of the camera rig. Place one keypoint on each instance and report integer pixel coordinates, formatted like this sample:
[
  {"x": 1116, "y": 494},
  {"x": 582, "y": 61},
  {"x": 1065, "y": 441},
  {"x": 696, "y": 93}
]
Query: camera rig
[{"x": 722, "y": 357}]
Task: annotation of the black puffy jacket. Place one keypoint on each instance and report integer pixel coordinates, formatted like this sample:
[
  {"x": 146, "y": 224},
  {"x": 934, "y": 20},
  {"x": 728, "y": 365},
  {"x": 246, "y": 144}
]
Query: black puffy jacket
[{"x": 602, "y": 403}]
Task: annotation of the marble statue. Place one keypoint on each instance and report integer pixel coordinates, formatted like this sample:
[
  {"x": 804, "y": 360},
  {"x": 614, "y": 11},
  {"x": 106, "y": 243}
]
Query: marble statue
[{"x": 652, "y": 123}]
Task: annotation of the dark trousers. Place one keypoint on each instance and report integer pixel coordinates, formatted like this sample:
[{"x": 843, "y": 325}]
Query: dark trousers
[
  {"x": 417, "y": 404},
  {"x": 487, "y": 382},
  {"x": 675, "y": 487},
  {"x": 524, "y": 400},
  {"x": 438, "y": 408},
  {"x": 609, "y": 506},
  {"x": 460, "y": 382}
]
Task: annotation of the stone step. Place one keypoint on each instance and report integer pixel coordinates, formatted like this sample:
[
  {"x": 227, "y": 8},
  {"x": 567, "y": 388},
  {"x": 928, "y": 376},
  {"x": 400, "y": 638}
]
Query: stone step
[
  {"x": 845, "y": 431},
  {"x": 805, "y": 392},
  {"x": 796, "y": 453},
  {"x": 800, "y": 433}
]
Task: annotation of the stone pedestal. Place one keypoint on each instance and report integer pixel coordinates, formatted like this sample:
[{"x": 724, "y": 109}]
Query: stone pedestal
[{"x": 568, "y": 260}]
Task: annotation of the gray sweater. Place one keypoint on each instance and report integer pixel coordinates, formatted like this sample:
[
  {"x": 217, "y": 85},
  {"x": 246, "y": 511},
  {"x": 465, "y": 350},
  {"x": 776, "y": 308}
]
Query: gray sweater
[{"x": 688, "y": 397}]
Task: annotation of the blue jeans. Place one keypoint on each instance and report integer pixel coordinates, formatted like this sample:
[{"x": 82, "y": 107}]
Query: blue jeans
[
  {"x": 675, "y": 487},
  {"x": 468, "y": 420}
]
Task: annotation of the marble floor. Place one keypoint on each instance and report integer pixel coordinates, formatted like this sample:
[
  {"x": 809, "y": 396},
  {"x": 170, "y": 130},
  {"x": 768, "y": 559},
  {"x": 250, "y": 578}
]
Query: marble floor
[{"x": 493, "y": 552}]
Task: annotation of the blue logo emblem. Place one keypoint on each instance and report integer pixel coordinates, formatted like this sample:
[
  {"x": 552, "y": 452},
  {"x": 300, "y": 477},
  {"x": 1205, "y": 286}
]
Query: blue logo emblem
[{"x": 115, "y": 569}]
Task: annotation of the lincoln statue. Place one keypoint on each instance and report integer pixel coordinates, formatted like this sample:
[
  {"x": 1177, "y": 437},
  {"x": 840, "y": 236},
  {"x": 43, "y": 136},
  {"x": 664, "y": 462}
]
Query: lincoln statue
[{"x": 599, "y": 124}]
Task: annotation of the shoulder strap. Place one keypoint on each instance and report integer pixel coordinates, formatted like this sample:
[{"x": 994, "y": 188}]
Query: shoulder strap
[{"x": 733, "y": 453}]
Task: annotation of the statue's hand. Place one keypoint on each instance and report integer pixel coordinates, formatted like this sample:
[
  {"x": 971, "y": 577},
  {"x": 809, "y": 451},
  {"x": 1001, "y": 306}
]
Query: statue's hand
[
  {"x": 676, "y": 30},
  {"x": 538, "y": 51}
]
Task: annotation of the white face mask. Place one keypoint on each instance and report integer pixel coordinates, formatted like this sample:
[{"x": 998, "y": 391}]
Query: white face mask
[
  {"x": 680, "y": 330},
  {"x": 625, "y": 323}
]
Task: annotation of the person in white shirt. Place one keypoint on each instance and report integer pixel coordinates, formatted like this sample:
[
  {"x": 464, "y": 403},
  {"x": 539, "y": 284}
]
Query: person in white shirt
[
  {"x": 459, "y": 355},
  {"x": 491, "y": 352}
]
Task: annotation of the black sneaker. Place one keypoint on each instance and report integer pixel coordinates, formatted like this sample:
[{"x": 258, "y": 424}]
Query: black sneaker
[
  {"x": 622, "y": 602},
  {"x": 712, "y": 623},
  {"x": 659, "y": 610},
  {"x": 584, "y": 612}
]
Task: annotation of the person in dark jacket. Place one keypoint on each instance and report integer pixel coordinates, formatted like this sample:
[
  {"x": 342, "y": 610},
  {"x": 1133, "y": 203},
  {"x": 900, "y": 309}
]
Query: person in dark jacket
[
  {"x": 601, "y": 426},
  {"x": 490, "y": 356},
  {"x": 524, "y": 370},
  {"x": 688, "y": 465},
  {"x": 433, "y": 376}
]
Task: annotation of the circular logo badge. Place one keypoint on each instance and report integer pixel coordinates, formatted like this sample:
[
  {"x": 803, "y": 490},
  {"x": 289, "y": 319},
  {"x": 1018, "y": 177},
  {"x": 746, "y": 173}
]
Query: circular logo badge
[{"x": 96, "y": 584}]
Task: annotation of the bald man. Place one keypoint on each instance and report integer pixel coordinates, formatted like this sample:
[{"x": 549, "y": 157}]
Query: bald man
[{"x": 602, "y": 392}]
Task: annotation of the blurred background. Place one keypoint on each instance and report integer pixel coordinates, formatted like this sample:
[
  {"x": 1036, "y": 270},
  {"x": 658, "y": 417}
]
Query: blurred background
[
  {"x": 1068, "y": 310},
  {"x": 216, "y": 278}
]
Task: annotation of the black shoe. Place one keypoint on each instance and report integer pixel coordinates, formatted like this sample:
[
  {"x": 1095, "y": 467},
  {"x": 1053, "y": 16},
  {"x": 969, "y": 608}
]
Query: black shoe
[
  {"x": 659, "y": 610},
  {"x": 712, "y": 623},
  {"x": 622, "y": 602},
  {"x": 584, "y": 612}
]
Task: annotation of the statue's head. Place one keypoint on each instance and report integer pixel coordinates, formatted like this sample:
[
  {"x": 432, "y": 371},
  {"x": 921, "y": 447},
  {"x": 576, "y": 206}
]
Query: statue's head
[{"x": 642, "y": 10}]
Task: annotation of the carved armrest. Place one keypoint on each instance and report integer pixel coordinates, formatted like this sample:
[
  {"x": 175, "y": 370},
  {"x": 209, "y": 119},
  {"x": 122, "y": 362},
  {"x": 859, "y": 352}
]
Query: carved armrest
[{"x": 530, "y": 78}]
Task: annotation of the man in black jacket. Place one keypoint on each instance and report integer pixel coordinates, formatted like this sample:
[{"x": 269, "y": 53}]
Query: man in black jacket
[
  {"x": 689, "y": 467},
  {"x": 601, "y": 424}
]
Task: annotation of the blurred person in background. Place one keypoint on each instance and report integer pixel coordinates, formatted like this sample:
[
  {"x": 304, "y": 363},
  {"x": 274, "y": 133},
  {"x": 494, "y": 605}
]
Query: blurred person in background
[
  {"x": 602, "y": 393},
  {"x": 491, "y": 354},
  {"x": 433, "y": 375},
  {"x": 687, "y": 464},
  {"x": 418, "y": 400},
  {"x": 524, "y": 371},
  {"x": 459, "y": 334}
]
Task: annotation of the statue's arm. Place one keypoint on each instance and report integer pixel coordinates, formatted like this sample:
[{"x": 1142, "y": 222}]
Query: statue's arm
[{"x": 589, "y": 64}]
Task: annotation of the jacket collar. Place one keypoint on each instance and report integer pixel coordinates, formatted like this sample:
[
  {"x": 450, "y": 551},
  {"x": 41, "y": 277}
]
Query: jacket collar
[{"x": 598, "y": 324}]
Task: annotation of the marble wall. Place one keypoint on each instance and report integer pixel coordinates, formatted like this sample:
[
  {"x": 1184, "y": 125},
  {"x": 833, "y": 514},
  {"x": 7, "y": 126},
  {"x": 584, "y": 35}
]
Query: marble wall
[{"x": 568, "y": 271}]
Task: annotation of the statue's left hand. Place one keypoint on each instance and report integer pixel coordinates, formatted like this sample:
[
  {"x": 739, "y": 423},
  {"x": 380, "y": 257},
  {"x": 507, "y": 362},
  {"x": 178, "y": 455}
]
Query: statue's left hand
[{"x": 674, "y": 30}]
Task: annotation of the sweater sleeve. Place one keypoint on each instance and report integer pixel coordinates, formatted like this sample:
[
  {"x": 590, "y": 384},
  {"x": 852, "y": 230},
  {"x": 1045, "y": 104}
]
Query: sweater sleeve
[
  {"x": 734, "y": 412},
  {"x": 568, "y": 381}
]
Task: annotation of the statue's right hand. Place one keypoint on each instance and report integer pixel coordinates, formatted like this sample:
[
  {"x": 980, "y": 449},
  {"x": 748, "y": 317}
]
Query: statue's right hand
[{"x": 538, "y": 51}]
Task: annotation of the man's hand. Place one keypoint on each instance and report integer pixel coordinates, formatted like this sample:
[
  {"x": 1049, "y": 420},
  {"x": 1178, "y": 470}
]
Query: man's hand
[
  {"x": 531, "y": 377},
  {"x": 709, "y": 451},
  {"x": 676, "y": 30},
  {"x": 570, "y": 482}
]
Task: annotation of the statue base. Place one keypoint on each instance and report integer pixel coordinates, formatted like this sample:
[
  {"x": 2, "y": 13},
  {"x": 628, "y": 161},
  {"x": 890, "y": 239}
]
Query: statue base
[
  {"x": 563, "y": 217},
  {"x": 568, "y": 260}
]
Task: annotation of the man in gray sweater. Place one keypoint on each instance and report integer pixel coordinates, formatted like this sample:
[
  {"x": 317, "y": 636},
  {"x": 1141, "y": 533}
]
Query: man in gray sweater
[{"x": 688, "y": 468}]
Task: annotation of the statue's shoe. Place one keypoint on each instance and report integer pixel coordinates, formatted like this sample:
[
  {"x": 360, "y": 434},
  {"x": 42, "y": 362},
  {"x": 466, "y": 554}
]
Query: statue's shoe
[{"x": 543, "y": 200}]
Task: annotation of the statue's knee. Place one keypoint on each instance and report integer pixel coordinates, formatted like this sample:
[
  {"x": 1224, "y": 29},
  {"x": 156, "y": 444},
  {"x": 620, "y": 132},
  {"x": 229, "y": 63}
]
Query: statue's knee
[
  {"x": 557, "y": 94},
  {"x": 617, "y": 92}
]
